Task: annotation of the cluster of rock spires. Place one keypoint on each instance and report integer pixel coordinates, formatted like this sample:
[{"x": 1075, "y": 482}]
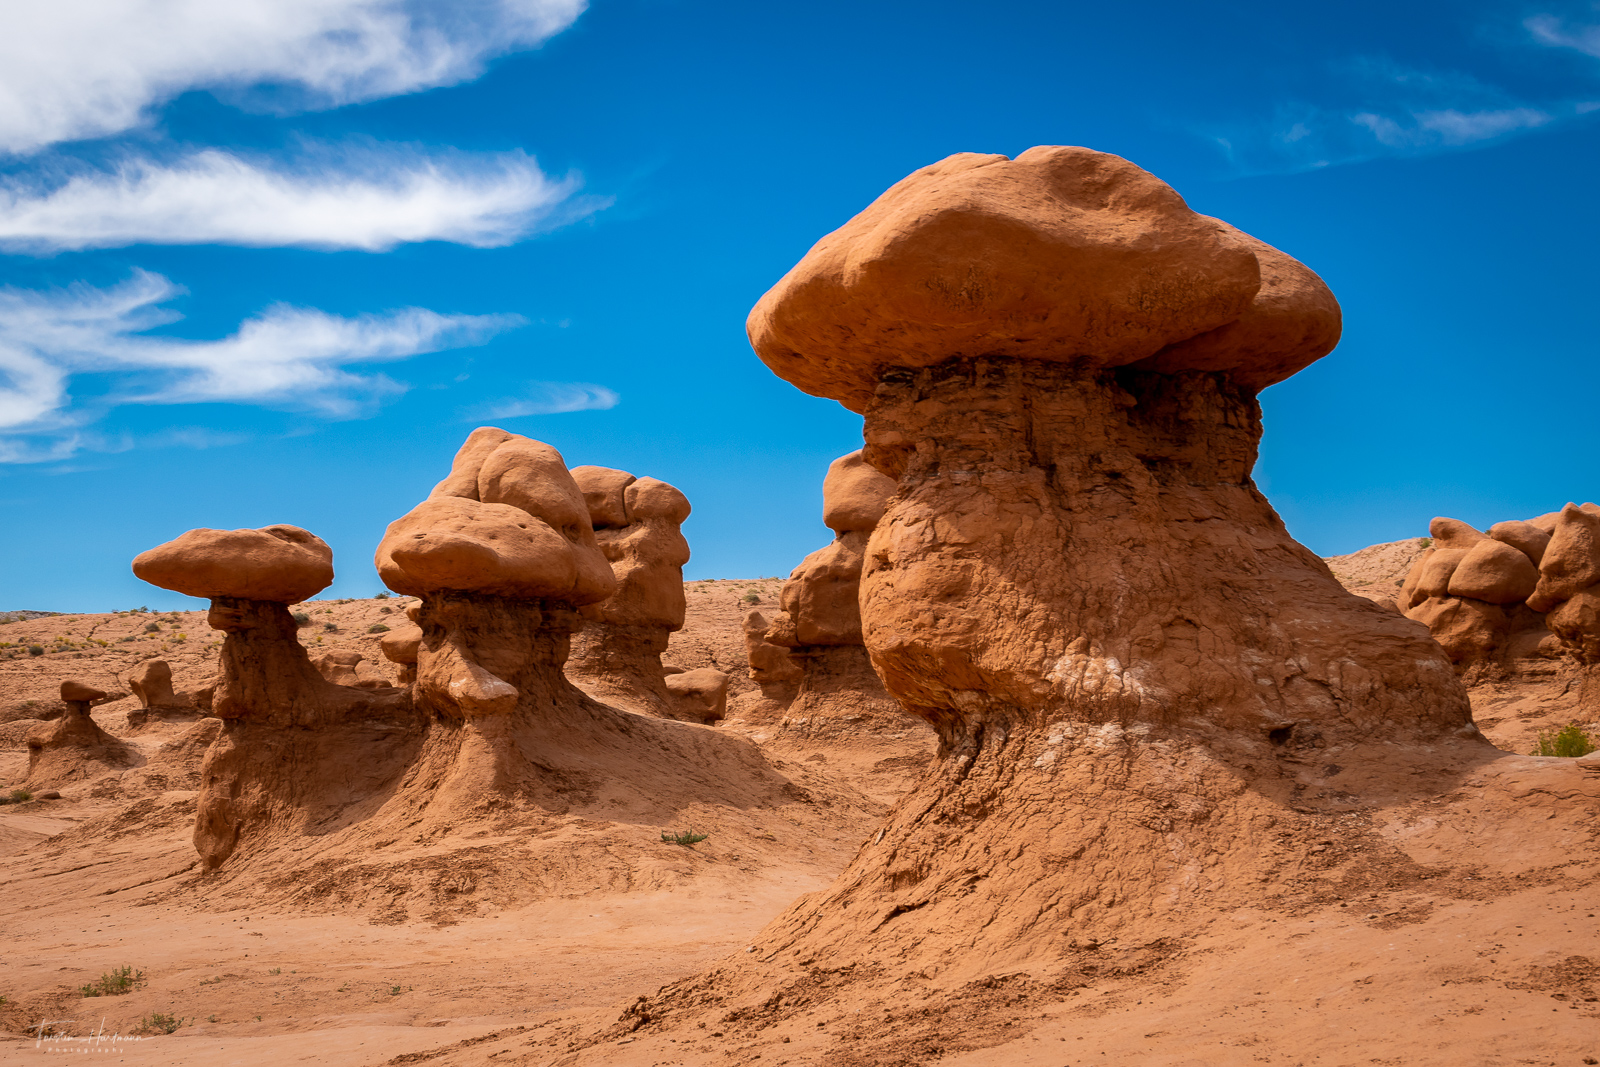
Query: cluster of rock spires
[
  {"x": 510, "y": 557},
  {"x": 1050, "y": 549},
  {"x": 1521, "y": 590}
]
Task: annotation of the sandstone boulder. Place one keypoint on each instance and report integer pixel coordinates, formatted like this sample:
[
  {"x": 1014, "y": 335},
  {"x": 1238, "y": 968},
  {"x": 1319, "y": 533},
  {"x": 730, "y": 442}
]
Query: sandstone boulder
[
  {"x": 1571, "y": 561},
  {"x": 700, "y": 695},
  {"x": 1527, "y": 538},
  {"x": 854, "y": 494},
  {"x": 1438, "y": 567},
  {"x": 1062, "y": 254},
  {"x": 509, "y": 521},
  {"x": 1495, "y": 572},
  {"x": 283, "y": 564},
  {"x": 349, "y": 668},
  {"x": 152, "y": 685},
  {"x": 1453, "y": 534},
  {"x": 770, "y": 664}
]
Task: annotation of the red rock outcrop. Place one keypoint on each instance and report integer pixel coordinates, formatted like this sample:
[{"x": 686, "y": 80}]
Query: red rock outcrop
[
  {"x": 74, "y": 747},
  {"x": 818, "y": 625},
  {"x": 771, "y": 666},
  {"x": 1132, "y": 667},
  {"x": 285, "y": 725},
  {"x": 700, "y": 695},
  {"x": 616, "y": 655},
  {"x": 1514, "y": 599},
  {"x": 501, "y": 595}
]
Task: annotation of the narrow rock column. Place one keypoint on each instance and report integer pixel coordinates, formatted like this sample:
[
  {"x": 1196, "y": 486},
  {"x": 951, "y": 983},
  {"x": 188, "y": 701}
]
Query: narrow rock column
[{"x": 616, "y": 655}]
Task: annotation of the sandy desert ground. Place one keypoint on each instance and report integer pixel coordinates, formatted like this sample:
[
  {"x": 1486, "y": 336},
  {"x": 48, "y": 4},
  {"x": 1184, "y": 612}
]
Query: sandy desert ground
[{"x": 1424, "y": 927}]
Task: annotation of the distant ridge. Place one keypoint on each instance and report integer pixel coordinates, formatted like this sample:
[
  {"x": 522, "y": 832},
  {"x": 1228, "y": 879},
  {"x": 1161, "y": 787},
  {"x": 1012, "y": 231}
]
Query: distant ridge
[{"x": 23, "y": 616}]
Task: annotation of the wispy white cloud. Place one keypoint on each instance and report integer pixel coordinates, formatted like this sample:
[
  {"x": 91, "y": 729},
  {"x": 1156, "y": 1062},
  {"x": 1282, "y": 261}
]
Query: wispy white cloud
[
  {"x": 287, "y": 357},
  {"x": 371, "y": 199},
  {"x": 1392, "y": 111},
  {"x": 74, "y": 69},
  {"x": 549, "y": 398},
  {"x": 1554, "y": 31}
]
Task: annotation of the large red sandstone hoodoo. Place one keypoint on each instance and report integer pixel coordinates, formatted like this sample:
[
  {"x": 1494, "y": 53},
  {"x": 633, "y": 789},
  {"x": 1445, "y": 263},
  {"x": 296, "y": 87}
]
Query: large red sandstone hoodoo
[
  {"x": 284, "y": 724},
  {"x": 616, "y": 655},
  {"x": 1127, "y": 658},
  {"x": 74, "y": 746}
]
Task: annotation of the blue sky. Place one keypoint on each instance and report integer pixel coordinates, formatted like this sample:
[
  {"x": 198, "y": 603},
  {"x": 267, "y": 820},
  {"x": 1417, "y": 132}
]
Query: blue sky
[{"x": 270, "y": 261}]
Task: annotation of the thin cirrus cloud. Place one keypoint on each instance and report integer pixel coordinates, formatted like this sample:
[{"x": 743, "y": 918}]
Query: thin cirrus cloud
[
  {"x": 1555, "y": 32},
  {"x": 548, "y": 398},
  {"x": 371, "y": 199},
  {"x": 76, "y": 69},
  {"x": 286, "y": 357},
  {"x": 1394, "y": 110}
]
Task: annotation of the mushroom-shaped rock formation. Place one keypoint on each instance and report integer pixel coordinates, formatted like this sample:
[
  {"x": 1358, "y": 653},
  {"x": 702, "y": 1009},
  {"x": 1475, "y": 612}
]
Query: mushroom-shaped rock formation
[
  {"x": 508, "y": 527},
  {"x": 616, "y": 655},
  {"x": 819, "y": 623},
  {"x": 1129, "y": 662},
  {"x": 284, "y": 723},
  {"x": 74, "y": 747},
  {"x": 500, "y": 602}
]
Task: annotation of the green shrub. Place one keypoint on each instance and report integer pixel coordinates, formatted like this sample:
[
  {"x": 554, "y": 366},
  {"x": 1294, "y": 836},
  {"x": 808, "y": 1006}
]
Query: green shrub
[
  {"x": 751, "y": 598},
  {"x": 377, "y": 628},
  {"x": 331, "y": 627},
  {"x": 1570, "y": 740},
  {"x": 152, "y": 627},
  {"x": 20, "y": 796},
  {"x": 35, "y": 650},
  {"x": 686, "y": 838},
  {"x": 160, "y": 1023},
  {"x": 114, "y": 983},
  {"x": 302, "y": 619}
]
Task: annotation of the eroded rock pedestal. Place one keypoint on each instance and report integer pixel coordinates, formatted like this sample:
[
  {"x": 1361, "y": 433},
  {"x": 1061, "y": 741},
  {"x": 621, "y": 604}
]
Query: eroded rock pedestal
[
  {"x": 810, "y": 659},
  {"x": 1133, "y": 669},
  {"x": 616, "y": 653},
  {"x": 74, "y": 747},
  {"x": 504, "y": 558},
  {"x": 295, "y": 750}
]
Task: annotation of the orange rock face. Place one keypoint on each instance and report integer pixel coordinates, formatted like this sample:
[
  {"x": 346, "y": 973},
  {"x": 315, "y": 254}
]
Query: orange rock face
[
  {"x": 616, "y": 655},
  {"x": 282, "y": 563},
  {"x": 1075, "y": 580},
  {"x": 1063, "y": 255},
  {"x": 508, "y": 521},
  {"x": 1489, "y": 598}
]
